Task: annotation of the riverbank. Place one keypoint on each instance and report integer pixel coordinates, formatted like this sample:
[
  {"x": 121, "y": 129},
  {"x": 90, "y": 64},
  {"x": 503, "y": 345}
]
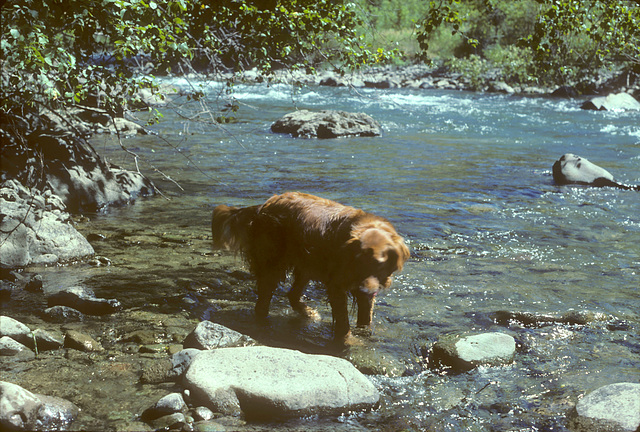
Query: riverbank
[{"x": 420, "y": 76}]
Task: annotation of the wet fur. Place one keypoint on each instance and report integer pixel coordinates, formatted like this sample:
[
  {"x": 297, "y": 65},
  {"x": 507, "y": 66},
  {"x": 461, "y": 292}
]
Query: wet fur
[{"x": 346, "y": 249}]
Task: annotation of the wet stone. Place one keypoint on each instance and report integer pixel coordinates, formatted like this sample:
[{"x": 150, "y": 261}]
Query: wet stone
[
  {"x": 81, "y": 342},
  {"x": 208, "y": 335},
  {"x": 153, "y": 348},
  {"x": 142, "y": 337},
  {"x": 171, "y": 421},
  {"x": 157, "y": 372},
  {"x": 614, "y": 407},
  {"x": 62, "y": 314},
  {"x": 84, "y": 300},
  {"x": 23, "y": 410},
  {"x": 372, "y": 362},
  {"x": 202, "y": 413},
  {"x": 35, "y": 284},
  {"x": 169, "y": 404},
  {"x": 466, "y": 353},
  {"x": 46, "y": 340}
]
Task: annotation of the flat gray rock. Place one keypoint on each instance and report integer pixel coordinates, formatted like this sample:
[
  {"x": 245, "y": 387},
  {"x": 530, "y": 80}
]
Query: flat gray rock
[
  {"x": 270, "y": 383},
  {"x": 466, "y": 353},
  {"x": 326, "y": 124},
  {"x": 614, "y": 407}
]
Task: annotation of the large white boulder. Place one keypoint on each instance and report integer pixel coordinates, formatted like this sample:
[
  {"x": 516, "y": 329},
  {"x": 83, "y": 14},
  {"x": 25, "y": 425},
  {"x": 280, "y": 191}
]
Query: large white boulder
[{"x": 267, "y": 383}]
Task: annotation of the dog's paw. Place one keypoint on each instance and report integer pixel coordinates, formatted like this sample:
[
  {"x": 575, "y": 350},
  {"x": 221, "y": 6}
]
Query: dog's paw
[{"x": 311, "y": 314}]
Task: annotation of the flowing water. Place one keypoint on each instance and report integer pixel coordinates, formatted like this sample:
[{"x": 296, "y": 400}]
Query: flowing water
[{"x": 466, "y": 179}]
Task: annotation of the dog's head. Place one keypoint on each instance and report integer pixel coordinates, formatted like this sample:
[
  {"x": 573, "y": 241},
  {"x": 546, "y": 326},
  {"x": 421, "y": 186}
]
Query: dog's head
[{"x": 378, "y": 252}]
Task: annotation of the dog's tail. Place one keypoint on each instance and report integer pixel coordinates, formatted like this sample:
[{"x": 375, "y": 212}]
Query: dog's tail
[{"x": 230, "y": 227}]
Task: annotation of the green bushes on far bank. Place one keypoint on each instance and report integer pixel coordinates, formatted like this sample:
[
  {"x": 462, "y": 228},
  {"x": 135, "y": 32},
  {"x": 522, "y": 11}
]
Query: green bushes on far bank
[{"x": 548, "y": 42}]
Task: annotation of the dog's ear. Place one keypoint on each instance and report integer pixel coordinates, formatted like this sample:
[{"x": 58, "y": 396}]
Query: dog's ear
[{"x": 402, "y": 253}]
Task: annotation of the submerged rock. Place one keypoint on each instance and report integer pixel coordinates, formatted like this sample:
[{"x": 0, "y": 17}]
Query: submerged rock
[
  {"x": 22, "y": 410},
  {"x": 466, "y": 353},
  {"x": 208, "y": 335},
  {"x": 539, "y": 320},
  {"x": 615, "y": 407},
  {"x": 84, "y": 300},
  {"x": 326, "y": 124},
  {"x": 269, "y": 383}
]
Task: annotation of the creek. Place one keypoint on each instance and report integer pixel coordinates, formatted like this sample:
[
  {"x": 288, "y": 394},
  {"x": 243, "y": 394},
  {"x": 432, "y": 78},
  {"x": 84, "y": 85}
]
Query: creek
[{"x": 465, "y": 178}]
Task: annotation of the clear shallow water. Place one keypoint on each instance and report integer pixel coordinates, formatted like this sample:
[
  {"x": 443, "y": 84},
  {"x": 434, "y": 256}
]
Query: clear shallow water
[{"x": 466, "y": 178}]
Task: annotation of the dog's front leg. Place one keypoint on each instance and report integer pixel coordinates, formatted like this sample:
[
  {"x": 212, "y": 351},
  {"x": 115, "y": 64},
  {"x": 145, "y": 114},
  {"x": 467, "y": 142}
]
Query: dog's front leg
[
  {"x": 365, "y": 302},
  {"x": 338, "y": 299}
]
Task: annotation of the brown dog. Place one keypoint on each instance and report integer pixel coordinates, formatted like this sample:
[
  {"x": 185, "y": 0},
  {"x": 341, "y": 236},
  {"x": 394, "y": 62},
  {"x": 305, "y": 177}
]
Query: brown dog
[{"x": 348, "y": 250}]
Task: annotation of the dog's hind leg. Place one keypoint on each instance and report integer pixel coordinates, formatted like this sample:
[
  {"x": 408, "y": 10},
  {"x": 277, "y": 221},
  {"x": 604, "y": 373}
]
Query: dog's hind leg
[
  {"x": 295, "y": 297},
  {"x": 266, "y": 286}
]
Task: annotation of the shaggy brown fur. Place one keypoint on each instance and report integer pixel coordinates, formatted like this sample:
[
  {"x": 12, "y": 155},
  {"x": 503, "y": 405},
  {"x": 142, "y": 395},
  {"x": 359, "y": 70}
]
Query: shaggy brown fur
[{"x": 346, "y": 249}]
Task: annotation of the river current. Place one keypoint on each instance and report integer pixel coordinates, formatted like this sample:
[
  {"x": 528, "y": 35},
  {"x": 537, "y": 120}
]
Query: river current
[{"x": 466, "y": 179}]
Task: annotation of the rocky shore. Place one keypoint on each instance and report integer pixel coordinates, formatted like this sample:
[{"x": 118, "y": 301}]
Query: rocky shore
[
  {"x": 170, "y": 372},
  {"x": 419, "y": 76}
]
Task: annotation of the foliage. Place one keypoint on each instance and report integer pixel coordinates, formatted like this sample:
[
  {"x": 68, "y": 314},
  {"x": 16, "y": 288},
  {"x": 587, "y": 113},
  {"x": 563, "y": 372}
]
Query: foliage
[
  {"x": 567, "y": 39},
  {"x": 510, "y": 64},
  {"x": 57, "y": 53},
  {"x": 572, "y": 37}
]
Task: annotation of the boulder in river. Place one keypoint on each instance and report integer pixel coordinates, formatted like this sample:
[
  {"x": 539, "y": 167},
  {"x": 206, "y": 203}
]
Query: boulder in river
[
  {"x": 326, "y": 124},
  {"x": 21, "y": 410},
  {"x": 612, "y": 408},
  {"x": 465, "y": 353},
  {"x": 271, "y": 383},
  {"x": 612, "y": 102}
]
